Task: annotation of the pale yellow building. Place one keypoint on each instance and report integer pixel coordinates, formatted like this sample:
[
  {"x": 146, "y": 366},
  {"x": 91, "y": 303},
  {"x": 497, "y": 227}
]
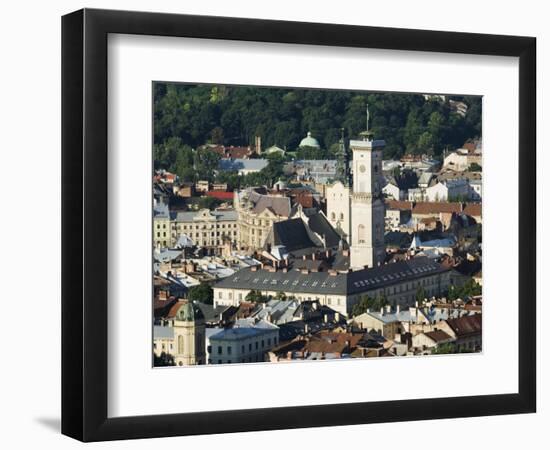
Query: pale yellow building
[{"x": 182, "y": 335}]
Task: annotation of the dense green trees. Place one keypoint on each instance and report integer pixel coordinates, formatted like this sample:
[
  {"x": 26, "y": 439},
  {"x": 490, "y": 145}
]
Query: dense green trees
[
  {"x": 369, "y": 303},
  {"x": 201, "y": 293},
  {"x": 468, "y": 289},
  {"x": 255, "y": 296},
  {"x": 191, "y": 115}
]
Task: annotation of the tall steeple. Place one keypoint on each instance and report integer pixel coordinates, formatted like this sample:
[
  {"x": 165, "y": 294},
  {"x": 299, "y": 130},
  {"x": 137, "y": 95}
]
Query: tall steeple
[
  {"x": 342, "y": 161},
  {"x": 367, "y": 206}
]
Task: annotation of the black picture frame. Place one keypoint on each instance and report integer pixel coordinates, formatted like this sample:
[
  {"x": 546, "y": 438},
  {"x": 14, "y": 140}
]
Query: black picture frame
[{"x": 84, "y": 224}]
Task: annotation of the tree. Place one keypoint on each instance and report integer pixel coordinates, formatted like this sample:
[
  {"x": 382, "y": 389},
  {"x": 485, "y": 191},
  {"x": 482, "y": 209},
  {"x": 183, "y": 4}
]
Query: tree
[
  {"x": 201, "y": 293},
  {"x": 255, "y": 296},
  {"x": 444, "y": 349},
  {"x": 216, "y": 135},
  {"x": 206, "y": 162},
  {"x": 163, "y": 360},
  {"x": 468, "y": 289},
  {"x": 208, "y": 202},
  {"x": 369, "y": 303},
  {"x": 233, "y": 115},
  {"x": 475, "y": 167},
  {"x": 420, "y": 294}
]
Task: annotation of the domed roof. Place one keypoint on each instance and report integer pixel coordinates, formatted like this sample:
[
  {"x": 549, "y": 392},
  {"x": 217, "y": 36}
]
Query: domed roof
[
  {"x": 309, "y": 141},
  {"x": 187, "y": 311}
]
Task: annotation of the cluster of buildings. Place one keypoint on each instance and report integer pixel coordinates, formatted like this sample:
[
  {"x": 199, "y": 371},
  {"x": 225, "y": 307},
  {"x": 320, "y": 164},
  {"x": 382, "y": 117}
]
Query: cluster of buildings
[{"x": 333, "y": 264}]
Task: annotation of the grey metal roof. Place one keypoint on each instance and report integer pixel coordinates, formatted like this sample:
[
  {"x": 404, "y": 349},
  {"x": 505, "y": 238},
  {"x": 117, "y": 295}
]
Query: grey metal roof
[
  {"x": 341, "y": 284},
  {"x": 161, "y": 332},
  {"x": 242, "y": 164},
  {"x": 189, "y": 216}
]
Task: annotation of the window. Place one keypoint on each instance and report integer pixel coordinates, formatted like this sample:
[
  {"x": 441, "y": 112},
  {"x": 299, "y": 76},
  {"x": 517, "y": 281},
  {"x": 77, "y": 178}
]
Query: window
[
  {"x": 361, "y": 234},
  {"x": 242, "y": 350},
  {"x": 219, "y": 350},
  {"x": 257, "y": 345},
  {"x": 333, "y": 216},
  {"x": 263, "y": 343},
  {"x": 250, "y": 347},
  {"x": 229, "y": 348}
]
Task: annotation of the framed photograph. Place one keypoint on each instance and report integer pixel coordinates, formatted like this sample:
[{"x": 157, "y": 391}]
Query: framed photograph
[{"x": 273, "y": 225}]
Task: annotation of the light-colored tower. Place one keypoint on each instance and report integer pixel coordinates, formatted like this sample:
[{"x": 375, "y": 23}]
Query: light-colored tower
[
  {"x": 339, "y": 208},
  {"x": 189, "y": 335},
  {"x": 367, "y": 205}
]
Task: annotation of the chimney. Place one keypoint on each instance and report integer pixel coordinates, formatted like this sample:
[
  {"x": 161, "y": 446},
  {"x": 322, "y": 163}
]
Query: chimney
[
  {"x": 258, "y": 144},
  {"x": 332, "y": 273},
  {"x": 314, "y": 256},
  {"x": 306, "y": 329},
  {"x": 345, "y": 252},
  {"x": 397, "y": 309},
  {"x": 327, "y": 253},
  {"x": 304, "y": 257},
  {"x": 388, "y": 309},
  {"x": 382, "y": 311},
  {"x": 337, "y": 317},
  {"x": 325, "y": 318},
  {"x": 254, "y": 269}
]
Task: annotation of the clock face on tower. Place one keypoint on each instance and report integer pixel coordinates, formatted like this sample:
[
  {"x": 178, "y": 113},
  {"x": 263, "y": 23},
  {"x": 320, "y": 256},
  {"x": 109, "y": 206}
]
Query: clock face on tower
[{"x": 361, "y": 168}]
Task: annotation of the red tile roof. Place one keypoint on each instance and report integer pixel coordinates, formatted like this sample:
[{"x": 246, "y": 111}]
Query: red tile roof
[
  {"x": 436, "y": 208},
  {"x": 466, "y": 326},
  {"x": 473, "y": 209},
  {"x": 438, "y": 336},
  {"x": 398, "y": 204},
  {"x": 220, "y": 195}
]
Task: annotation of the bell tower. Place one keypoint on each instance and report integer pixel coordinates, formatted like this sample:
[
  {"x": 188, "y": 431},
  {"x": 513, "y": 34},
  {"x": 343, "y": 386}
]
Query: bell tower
[{"x": 367, "y": 205}]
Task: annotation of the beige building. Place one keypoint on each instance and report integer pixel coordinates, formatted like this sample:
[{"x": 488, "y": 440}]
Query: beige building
[
  {"x": 339, "y": 208},
  {"x": 207, "y": 229},
  {"x": 162, "y": 231},
  {"x": 257, "y": 213},
  {"x": 340, "y": 290},
  {"x": 181, "y": 335},
  {"x": 462, "y": 159}
]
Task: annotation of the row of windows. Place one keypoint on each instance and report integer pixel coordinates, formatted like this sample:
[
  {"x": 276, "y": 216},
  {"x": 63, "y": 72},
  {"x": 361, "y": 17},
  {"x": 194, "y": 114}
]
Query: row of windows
[
  {"x": 205, "y": 227},
  {"x": 251, "y": 346}
]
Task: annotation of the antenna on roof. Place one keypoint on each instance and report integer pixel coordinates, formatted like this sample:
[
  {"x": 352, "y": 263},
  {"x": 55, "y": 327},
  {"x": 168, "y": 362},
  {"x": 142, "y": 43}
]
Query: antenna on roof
[{"x": 368, "y": 116}]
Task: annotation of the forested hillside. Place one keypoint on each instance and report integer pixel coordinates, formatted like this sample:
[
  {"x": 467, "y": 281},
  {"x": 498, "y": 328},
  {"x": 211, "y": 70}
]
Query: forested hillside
[{"x": 192, "y": 115}]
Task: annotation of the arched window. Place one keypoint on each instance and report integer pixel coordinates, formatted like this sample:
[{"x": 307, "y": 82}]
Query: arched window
[
  {"x": 180, "y": 344},
  {"x": 341, "y": 216},
  {"x": 333, "y": 216}
]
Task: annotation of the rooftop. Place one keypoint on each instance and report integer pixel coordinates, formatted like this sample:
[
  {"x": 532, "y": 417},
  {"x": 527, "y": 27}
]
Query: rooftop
[{"x": 330, "y": 282}]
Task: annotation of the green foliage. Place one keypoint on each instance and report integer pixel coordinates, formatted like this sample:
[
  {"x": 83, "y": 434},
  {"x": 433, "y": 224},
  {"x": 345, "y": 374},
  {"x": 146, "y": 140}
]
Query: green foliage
[
  {"x": 233, "y": 115},
  {"x": 201, "y": 293},
  {"x": 468, "y": 289},
  {"x": 444, "y": 349},
  {"x": 255, "y": 296},
  {"x": 420, "y": 294},
  {"x": 163, "y": 360},
  {"x": 373, "y": 304},
  {"x": 475, "y": 167},
  {"x": 205, "y": 163}
]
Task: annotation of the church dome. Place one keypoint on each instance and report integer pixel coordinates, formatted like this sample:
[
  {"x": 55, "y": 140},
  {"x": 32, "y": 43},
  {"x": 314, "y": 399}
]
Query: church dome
[
  {"x": 309, "y": 141},
  {"x": 188, "y": 312}
]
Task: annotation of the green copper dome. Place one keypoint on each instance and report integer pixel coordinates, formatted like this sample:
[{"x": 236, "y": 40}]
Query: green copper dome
[
  {"x": 309, "y": 141},
  {"x": 189, "y": 312}
]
